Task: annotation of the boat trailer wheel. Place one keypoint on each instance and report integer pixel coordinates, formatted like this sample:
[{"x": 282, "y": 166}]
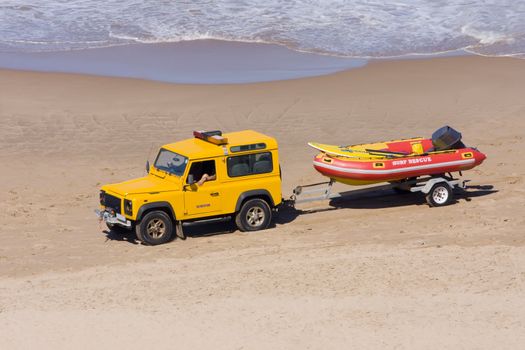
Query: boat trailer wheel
[{"x": 440, "y": 195}]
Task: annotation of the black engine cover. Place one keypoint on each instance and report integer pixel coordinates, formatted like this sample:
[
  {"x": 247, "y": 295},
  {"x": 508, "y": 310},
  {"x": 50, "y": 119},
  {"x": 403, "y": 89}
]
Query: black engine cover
[{"x": 446, "y": 138}]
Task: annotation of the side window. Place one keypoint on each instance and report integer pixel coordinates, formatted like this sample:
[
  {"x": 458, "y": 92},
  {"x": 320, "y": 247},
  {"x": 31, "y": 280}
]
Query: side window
[
  {"x": 250, "y": 164},
  {"x": 198, "y": 169}
]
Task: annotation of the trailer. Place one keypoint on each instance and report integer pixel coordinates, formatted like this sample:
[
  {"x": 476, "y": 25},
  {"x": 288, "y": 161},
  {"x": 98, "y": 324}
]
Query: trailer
[{"x": 438, "y": 190}]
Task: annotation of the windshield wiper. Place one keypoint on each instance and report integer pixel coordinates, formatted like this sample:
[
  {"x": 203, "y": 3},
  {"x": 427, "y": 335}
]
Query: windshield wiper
[
  {"x": 161, "y": 170},
  {"x": 167, "y": 172}
]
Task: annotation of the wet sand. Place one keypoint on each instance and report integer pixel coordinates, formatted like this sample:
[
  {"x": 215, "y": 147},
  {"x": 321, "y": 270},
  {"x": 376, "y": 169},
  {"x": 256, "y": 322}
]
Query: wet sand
[{"x": 191, "y": 62}]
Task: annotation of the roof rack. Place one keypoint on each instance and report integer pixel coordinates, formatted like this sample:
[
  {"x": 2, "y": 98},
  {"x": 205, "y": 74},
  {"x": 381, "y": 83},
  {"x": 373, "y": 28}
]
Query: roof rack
[{"x": 213, "y": 136}]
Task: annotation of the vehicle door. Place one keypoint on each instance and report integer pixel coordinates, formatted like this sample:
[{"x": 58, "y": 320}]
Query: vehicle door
[{"x": 202, "y": 198}]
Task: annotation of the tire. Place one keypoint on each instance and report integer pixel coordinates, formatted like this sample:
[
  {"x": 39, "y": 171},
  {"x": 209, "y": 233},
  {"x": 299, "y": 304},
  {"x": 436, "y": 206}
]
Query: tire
[
  {"x": 156, "y": 227},
  {"x": 255, "y": 215},
  {"x": 117, "y": 229},
  {"x": 440, "y": 195}
]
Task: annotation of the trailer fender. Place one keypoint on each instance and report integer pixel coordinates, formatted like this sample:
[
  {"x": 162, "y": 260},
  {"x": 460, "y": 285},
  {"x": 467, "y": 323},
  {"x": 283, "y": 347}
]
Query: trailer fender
[{"x": 430, "y": 183}]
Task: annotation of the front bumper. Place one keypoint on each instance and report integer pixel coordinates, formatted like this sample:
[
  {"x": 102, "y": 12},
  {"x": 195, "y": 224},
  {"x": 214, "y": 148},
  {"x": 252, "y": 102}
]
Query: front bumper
[{"x": 113, "y": 218}]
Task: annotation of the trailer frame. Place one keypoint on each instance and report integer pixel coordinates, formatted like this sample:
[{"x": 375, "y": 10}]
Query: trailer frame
[{"x": 437, "y": 189}]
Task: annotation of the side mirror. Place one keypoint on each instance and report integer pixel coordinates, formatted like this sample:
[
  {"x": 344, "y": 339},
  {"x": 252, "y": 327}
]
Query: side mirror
[
  {"x": 147, "y": 166},
  {"x": 191, "y": 180}
]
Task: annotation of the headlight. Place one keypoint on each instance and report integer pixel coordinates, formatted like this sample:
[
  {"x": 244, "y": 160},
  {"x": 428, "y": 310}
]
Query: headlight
[
  {"x": 102, "y": 196},
  {"x": 128, "y": 207}
]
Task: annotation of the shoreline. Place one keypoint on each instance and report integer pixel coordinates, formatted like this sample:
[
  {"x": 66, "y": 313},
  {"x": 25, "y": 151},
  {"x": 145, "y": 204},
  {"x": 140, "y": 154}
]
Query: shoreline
[
  {"x": 205, "y": 62},
  {"x": 192, "y": 62}
]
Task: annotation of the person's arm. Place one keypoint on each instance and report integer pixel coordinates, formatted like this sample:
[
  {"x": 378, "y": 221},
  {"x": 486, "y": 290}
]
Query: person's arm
[{"x": 206, "y": 177}]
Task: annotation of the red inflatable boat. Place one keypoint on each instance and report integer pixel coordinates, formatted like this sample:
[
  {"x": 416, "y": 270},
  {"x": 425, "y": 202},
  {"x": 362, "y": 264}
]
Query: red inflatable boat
[{"x": 397, "y": 160}]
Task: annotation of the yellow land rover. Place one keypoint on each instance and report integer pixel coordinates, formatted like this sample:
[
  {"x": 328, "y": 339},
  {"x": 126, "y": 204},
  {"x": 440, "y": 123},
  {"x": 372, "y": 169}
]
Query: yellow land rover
[{"x": 208, "y": 176}]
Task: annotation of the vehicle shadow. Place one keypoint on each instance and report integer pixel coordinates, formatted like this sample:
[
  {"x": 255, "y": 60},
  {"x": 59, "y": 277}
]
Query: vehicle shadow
[
  {"x": 128, "y": 236},
  {"x": 380, "y": 199},
  {"x": 191, "y": 230},
  {"x": 196, "y": 229}
]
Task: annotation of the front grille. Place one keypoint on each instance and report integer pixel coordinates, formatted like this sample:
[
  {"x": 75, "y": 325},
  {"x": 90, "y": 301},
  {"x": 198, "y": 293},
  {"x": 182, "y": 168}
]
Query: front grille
[{"x": 113, "y": 203}]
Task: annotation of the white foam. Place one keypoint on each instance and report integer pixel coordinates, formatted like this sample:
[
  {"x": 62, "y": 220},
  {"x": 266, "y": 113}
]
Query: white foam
[
  {"x": 486, "y": 37},
  {"x": 357, "y": 28}
]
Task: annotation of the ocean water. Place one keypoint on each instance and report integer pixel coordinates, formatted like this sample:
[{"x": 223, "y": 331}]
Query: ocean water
[{"x": 351, "y": 28}]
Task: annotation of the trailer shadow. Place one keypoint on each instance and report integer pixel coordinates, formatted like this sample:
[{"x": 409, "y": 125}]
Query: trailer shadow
[
  {"x": 381, "y": 199},
  {"x": 389, "y": 199}
]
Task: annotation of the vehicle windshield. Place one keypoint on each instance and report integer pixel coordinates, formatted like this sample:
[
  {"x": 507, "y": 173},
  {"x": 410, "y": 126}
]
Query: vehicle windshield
[{"x": 171, "y": 162}]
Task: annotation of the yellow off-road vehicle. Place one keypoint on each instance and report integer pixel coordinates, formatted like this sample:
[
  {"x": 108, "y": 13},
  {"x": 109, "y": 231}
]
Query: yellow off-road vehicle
[{"x": 206, "y": 177}]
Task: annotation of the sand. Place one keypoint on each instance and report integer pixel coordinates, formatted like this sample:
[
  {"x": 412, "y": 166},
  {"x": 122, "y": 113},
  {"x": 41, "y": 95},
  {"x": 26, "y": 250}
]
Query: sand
[{"x": 379, "y": 271}]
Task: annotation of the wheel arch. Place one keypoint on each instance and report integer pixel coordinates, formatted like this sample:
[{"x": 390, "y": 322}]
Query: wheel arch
[
  {"x": 262, "y": 194},
  {"x": 163, "y": 206},
  {"x": 432, "y": 182}
]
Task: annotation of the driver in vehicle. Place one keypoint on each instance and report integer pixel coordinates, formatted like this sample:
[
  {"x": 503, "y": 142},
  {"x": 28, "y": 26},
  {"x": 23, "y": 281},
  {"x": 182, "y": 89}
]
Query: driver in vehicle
[{"x": 204, "y": 171}]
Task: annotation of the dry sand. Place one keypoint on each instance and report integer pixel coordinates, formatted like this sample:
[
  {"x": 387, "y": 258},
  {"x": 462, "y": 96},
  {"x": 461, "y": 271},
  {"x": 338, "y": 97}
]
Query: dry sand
[{"x": 380, "y": 271}]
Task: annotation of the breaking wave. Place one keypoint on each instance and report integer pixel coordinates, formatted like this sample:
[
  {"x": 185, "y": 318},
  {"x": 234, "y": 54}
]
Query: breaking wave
[{"x": 353, "y": 28}]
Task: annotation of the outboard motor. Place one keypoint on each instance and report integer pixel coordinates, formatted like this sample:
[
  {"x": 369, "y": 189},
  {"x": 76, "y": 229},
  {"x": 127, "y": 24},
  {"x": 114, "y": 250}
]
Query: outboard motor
[{"x": 446, "y": 138}]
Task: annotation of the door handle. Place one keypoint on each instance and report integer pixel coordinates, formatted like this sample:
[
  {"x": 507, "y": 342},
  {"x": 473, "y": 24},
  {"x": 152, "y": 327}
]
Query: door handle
[{"x": 214, "y": 194}]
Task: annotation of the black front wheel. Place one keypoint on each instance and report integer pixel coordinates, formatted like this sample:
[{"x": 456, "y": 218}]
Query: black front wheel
[
  {"x": 254, "y": 215},
  {"x": 155, "y": 228}
]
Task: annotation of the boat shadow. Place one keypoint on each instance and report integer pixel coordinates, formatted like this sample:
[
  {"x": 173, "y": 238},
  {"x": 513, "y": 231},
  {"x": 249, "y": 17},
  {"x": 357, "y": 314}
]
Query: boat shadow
[
  {"x": 390, "y": 198},
  {"x": 382, "y": 199}
]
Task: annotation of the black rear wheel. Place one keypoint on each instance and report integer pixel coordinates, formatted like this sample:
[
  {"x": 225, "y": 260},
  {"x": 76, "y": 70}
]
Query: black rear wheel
[
  {"x": 255, "y": 215},
  {"x": 156, "y": 227}
]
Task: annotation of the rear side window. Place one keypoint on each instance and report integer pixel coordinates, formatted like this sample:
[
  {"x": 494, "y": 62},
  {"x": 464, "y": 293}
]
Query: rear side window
[{"x": 250, "y": 164}]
